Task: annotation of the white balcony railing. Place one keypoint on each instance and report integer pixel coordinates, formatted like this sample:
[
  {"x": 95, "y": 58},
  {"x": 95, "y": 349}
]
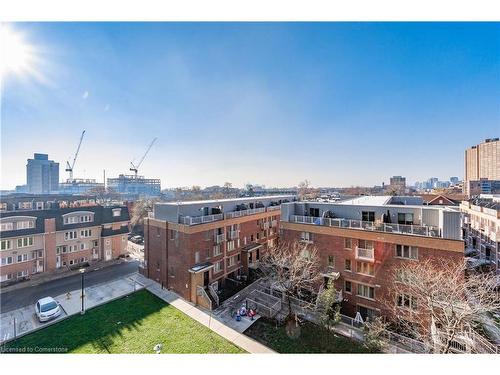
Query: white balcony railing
[
  {"x": 219, "y": 238},
  {"x": 273, "y": 208},
  {"x": 193, "y": 220},
  {"x": 235, "y": 214},
  {"x": 365, "y": 254},
  {"x": 416, "y": 230}
]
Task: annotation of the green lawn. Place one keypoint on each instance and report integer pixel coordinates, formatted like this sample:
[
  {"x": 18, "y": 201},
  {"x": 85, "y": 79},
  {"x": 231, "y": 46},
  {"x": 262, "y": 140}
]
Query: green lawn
[
  {"x": 133, "y": 324},
  {"x": 313, "y": 339}
]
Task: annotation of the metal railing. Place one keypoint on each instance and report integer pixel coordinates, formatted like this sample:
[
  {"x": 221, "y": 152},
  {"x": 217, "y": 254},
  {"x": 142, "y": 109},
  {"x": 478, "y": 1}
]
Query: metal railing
[
  {"x": 193, "y": 220},
  {"x": 235, "y": 214},
  {"x": 416, "y": 230},
  {"x": 214, "y": 294},
  {"x": 273, "y": 208}
]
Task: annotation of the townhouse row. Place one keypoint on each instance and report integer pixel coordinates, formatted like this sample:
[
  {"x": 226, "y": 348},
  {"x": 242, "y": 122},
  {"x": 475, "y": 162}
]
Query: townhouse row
[{"x": 47, "y": 240}]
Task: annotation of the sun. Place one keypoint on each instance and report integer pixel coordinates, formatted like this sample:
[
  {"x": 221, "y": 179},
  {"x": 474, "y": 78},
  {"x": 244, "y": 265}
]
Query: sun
[{"x": 16, "y": 55}]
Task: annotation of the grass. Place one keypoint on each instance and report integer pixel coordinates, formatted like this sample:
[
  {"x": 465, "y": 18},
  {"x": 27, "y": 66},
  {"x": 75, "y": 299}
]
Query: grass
[
  {"x": 313, "y": 339},
  {"x": 133, "y": 324}
]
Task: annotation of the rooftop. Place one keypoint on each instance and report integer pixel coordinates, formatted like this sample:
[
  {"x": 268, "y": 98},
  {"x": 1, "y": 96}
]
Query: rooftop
[{"x": 228, "y": 200}]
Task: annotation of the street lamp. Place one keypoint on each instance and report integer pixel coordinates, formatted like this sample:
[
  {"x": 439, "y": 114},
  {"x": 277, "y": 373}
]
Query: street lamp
[{"x": 82, "y": 272}]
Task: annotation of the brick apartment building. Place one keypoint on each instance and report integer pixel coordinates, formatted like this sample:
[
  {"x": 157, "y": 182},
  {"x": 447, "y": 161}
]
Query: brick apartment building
[
  {"x": 481, "y": 232},
  {"x": 40, "y": 236},
  {"x": 193, "y": 248},
  {"x": 360, "y": 242}
]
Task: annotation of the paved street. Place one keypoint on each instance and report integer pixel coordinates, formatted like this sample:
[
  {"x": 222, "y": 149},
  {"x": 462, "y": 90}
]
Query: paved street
[{"x": 27, "y": 296}]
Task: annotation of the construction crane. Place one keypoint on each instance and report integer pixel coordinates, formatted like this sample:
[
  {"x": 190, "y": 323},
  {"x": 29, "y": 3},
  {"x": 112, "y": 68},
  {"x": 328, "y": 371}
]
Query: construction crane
[
  {"x": 134, "y": 168},
  {"x": 69, "y": 167}
]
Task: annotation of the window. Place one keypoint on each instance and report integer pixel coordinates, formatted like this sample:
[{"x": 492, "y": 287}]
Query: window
[
  {"x": 218, "y": 266},
  {"x": 173, "y": 234},
  {"x": 406, "y": 219},
  {"x": 25, "y": 205},
  {"x": 70, "y": 235},
  {"x": 348, "y": 286},
  {"x": 407, "y": 252},
  {"x": 365, "y": 268},
  {"x": 364, "y": 244},
  {"x": 26, "y": 224},
  {"x": 367, "y": 215},
  {"x": 83, "y": 246},
  {"x": 117, "y": 212},
  {"x": 306, "y": 236},
  {"x": 366, "y": 291},
  {"x": 22, "y": 273},
  {"x": 331, "y": 261},
  {"x": 197, "y": 257},
  {"x": 24, "y": 242},
  {"x": 348, "y": 243},
  {"x": 305, "y": 254},
  {"x": 86, "y": 233},
  {"x": 95, "y": 243},
  {"x": 5, "y": 244},
  {"x": 22, "y": 258},
  {"x": 217, "y": 250},
  {"x": 6, "y": 226},
  {"x": 231, "y": 261},
  {"x": 406, "y": 301},
  {"x": 230, "y": 245},
  {"x": 70, "y": 220},
  {"x": 347, "y": 265},
  {"x": 39, "y": 205},
  {"x": 402, "y": 276},
  {"x": 85, "y": 218}
]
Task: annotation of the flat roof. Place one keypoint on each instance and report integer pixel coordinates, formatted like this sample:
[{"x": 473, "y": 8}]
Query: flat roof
[
  {"x": 368, "y": 200},
  {"x": 213, "y": 201}
]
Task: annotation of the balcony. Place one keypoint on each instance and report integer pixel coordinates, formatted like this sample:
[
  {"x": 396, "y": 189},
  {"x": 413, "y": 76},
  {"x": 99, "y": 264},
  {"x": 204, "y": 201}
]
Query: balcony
[
  {"x": 273, "y": 208},
  {"x": 264, "y": 225},
  {"x": 235, "y": 214},
  {"x": 193, "y": 220},
  {"x": 417, "y": 230},
  {"x": 234, "y": 234},
  {"x": 365, "y": 254},
  {"x": 219, "y": 238}
]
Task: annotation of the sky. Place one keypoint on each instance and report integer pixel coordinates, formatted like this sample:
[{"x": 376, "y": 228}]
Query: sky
[{"x": 339, "y": 104}]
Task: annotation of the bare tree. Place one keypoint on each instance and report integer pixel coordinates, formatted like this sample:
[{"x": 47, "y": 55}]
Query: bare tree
[
  {"x": 293, "y": 269},
  {"x": 439, "y": 304},
  {"x": 303, "y": 188},
  {"x": 140, "y": 210}
]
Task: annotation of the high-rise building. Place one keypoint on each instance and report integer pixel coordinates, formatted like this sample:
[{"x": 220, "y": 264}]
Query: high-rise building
[
  {"x": 482, "y": 162},
  {"x": 42, "y": 175}
]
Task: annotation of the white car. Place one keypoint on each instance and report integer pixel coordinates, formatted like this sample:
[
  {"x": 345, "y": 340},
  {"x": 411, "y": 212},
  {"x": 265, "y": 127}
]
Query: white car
[{"x": 46, "y": 309}]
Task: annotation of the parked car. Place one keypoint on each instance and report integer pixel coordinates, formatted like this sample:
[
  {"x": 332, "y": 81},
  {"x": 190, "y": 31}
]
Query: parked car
[
  {"x": 46, "y": 309},
  {"x": 136, "y": 239}
]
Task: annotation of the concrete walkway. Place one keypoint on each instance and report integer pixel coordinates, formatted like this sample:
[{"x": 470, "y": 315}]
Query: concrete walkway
[{"x": 204, "y": 318}]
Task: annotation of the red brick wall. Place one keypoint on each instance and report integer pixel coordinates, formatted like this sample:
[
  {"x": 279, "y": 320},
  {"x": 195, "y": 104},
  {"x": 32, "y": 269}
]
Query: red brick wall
[{"x": 384, "y": 265}]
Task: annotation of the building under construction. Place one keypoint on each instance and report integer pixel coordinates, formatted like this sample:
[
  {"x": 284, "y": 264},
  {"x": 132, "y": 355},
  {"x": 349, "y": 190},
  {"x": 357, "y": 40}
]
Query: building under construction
[{"x": 136, "y": 186}]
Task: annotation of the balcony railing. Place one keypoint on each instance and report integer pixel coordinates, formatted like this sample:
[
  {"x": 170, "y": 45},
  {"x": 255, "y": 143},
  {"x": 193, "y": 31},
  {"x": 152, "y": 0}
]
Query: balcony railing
[
  {"x": 416, "y": 230},
  {"x": 365, "y": 254},
  {"x": 193, "y": 220},
  {"x": 235, "y": 214},
  {"x": 273, "y": 208},
  {"x": 219, "y": 238}
]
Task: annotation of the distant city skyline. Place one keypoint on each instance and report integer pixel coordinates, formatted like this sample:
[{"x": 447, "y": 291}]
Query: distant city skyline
[{"x": 339, "y": 104}]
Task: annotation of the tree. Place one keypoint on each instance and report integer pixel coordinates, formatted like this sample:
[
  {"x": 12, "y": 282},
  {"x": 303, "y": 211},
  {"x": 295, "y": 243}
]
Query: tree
[
  {"x": 140, "y": 210},
  {"x": 374, "y": 330},
  {"x": 439, "y": 304},
  {"x": 227, "y": 188},
  {"x": 328, "y": 306},
  {"x": 303, "y": 188},
  {"x": 293, "y": 269}
]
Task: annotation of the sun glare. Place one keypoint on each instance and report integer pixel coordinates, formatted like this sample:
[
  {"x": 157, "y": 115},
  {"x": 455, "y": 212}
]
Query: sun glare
[{"x": 16, "y": 56}]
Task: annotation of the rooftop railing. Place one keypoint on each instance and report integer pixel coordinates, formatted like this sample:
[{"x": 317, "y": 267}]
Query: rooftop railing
[
  {"x": 416, "y": 230},
  {"x": 235, "y": 214},
  {"x": 193, "y": 220}
]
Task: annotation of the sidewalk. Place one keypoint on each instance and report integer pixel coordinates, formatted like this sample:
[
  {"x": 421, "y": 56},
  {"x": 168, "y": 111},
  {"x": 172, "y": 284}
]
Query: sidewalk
[
  {"x": 23, "y": 321},
  {"x": 60, "y": 274},
  {"x": 208, "y": 320}
]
